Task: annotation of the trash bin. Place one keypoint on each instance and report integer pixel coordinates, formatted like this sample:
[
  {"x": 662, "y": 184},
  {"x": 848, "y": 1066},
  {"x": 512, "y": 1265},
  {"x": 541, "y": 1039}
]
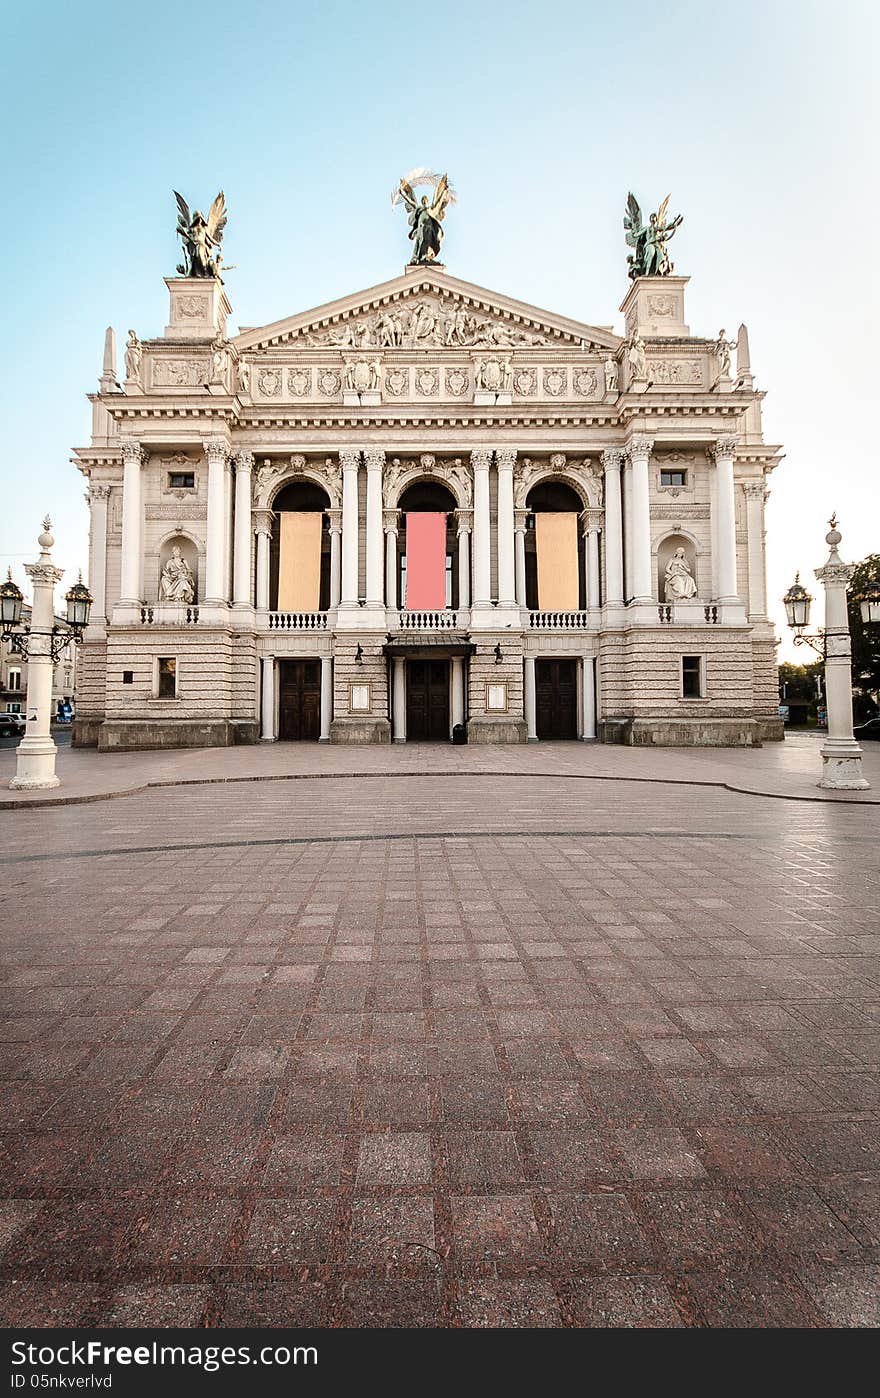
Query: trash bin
[{"x": 459, "y": 733}]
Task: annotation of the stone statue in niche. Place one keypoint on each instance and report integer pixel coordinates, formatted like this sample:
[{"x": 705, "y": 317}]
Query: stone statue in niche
[
  {"x": 244, "y": 377},
  {"x": 176, "y": 583},
  {"x": 219, "y": 357},
  {"x": 638, "y": 362},
  {"x": 680, "y": 585},
  {"x": 610, "y": 367},
  {"x": 133, "y": 354}
]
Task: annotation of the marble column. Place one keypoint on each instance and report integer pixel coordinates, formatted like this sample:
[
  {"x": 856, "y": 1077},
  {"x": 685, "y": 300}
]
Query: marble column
[
  {"x": 725, "y": 529},
  {"x": 241, "y": 556},
  {"x": 594, "y": 575},
  {"x": 350, "y": 464},
  {"x": 217, "y": 453},
  {"x": 391, "y": 563},
  {"x": 375, "y": 460},
  {"x": 263, "y": 526},
  {"x": 626, "y": 487},
  {"x": 99, "y": 492},
  {"x": 841, "y": 754},
  {"x": 505, "y": 459},
  {"x": 335, "y": 518},
  {"x": 530, "y": 703},
  {"x": 612, "y": 460},
  {"x": 520, "y": 518},
  {"x": 326, "y": 697},
  {"x": 132, "y": 523},
  {"x": 755, "y": 493},
  {"x": 482, "y": 557},
  {"x": 463, "y": 525},
  {"x": 588, "y": 698},
  {"x": 640, "y": 535},
  {"x": 398, "y": 699},
  {"x": 713, "y": 526},
  {"x": 457, "y": 690},
  {"x": 267, "y": 702}
]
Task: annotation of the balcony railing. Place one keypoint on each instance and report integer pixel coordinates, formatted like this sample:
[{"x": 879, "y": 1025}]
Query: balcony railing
[
  {"x": 428, "y": 621},
  {"x": 169, "y": 615},
  {"x": 559, "y": 621},
  {"x": 297, "y": 621}
]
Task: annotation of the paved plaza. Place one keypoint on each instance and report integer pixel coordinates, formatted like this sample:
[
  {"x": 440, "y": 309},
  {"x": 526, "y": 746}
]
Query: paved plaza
[{"x": 555, "y": 1036}]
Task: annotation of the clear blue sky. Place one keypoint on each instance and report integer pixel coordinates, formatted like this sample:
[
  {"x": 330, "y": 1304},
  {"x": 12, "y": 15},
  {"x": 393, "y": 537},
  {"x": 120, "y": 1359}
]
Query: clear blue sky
[{"x": 756, "y": 116}]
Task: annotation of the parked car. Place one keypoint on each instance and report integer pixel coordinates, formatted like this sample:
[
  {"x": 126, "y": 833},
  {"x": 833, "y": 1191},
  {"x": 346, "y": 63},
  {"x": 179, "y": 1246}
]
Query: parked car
[
  {"x": 869, "y": 729},
  {"x": 12, "y": 725}
]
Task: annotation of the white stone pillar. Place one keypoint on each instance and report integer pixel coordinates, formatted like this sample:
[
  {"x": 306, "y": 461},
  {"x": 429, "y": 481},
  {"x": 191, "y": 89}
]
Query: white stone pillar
[
  {"x": 217, "y": 452},
  {"x": 505, "y": 459},
  {"x": 626, "y": 487},
  {"x": 335, "y": 517},
  {"x": 612, "y": 459},
  {"x": 350, "y": 464},
  {"x": 594, "y": 583},
  {"x": 841, "y": 754},
  {"x": 241, "y": 554},
  {"x": 132, "y": 523},
  {"x": 530, "y": 704},
  {"x": 35, "y": 754},
  {"x": 640, "y": 534},
  {"x": 391, "y": 569},
  {"x": 398, "y": 699},
  {"x": 520, "y": 526},
  {"x": 725, "y": 527},
  {"x": 482, "y": 558},
  {"x": 755, "y": 493},
  {"x": 457, "y": 690},
  {"x": 263, "y": 527},
  {"x": 375, "y": 460},
  {"x": 267, "y": 703},
  {"x": 99, "y": 493},
  {"x": 463, "y": 524},
  {"x": 588, "y": 698},
  {"x": 326, "y": 697}
]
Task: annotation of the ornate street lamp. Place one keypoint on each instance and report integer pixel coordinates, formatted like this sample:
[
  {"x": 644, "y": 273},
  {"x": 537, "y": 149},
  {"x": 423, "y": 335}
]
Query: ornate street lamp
[
  {"x": 869, "y": 604},
  {"x": 41, "y": 642},
  {"x": 841, "y": 754}
]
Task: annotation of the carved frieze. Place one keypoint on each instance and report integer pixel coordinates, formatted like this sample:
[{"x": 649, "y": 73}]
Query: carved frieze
[
  {"x": 426, "y": 322},
  {"x": 676, "y": 371},
  {"x": 189, "y": 511},
  {"x": 180, "y": 373}
]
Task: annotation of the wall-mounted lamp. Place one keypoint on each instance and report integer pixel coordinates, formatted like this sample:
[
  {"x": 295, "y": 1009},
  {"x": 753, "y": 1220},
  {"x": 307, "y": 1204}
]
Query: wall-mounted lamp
[
  {"x": 499, "y": 654},
  {"x": 359, "y": 655}
]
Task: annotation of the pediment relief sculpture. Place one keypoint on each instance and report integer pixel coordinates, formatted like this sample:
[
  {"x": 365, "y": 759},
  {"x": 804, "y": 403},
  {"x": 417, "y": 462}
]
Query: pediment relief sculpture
[{"x": 424, "y": 323}]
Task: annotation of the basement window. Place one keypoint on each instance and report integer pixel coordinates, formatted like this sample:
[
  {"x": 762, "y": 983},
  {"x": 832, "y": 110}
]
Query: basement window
[
  {"x": 692, "y": 677},
  {"x": 128, "y": 677},
  {"x": 167, "y": 682}
]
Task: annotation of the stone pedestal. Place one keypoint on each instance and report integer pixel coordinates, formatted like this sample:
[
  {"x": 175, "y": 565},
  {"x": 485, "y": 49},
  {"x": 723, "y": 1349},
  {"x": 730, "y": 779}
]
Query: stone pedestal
[
  {"x": 199, "y": 308},
  {"x": 654, "y": 306}
]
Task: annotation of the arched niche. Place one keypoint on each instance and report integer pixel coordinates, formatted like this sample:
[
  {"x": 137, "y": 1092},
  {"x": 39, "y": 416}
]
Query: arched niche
[
  {"x": 309, "y": 498},
  {"x": 665, "y": 549},
  {"x": 551, "y": 496},
  {"x": 189, "y": 551},
  {"x": 428, "y": 497}
]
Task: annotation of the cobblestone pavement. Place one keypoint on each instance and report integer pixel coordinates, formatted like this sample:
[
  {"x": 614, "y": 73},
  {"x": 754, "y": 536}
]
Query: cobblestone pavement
[{"x": 459, "y": 1050}]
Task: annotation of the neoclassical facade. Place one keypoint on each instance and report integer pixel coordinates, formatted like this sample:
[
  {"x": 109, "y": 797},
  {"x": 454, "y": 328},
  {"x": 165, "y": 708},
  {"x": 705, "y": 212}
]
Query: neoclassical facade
[{"x": 427, "y": 394}]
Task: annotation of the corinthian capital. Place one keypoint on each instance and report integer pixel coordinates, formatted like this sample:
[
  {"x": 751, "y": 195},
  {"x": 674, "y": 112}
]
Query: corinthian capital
[
  {"x": 754, "y": 490},
  {"x": 132, "y": 452},
  {"x": 374, "y": 458},
  {"x": 216, "y": 449},
  {"x": 505, "y": 458},
  {"x": 640, "y": 447},
  {"x": 350, "y": 460},
  {"x": 480, "y": 458},
  {"x": 612, "y": 458},
  {"x": 244, "y": 461},
  {"x": 724, "y": 448}
]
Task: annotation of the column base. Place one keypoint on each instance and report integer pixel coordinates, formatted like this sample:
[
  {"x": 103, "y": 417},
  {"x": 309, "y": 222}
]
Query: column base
[
  {"x": 35, "y": 769},
  {"x": 265, "y": 739},
  {"x": 842, "y": 766}
]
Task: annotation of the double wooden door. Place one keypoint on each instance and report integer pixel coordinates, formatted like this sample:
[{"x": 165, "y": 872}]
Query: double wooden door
[
  {"x": 299, "y": 708},
  {"x": 427, "y": 701},
  {"x": 556, "y": 698}
]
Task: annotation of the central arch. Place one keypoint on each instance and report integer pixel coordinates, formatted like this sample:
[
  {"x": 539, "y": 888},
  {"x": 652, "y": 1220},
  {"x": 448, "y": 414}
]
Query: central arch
[
  {"x": 309, "y": 497},
  {"x": 550, "y": 496},
  {"x": 429, "y": 496}
]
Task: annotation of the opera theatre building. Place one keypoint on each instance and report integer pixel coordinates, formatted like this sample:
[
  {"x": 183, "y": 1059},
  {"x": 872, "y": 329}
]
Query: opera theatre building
[{"x": 426, "y": 509}]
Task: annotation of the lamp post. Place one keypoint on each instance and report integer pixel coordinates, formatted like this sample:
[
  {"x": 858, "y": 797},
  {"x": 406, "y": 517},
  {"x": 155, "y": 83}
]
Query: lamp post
[
  {"x": 41, "y": 643},
  {"x": 841, "y": 754}
]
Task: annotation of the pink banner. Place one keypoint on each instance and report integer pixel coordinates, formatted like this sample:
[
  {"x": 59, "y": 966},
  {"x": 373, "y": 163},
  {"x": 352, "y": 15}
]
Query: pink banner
[{"x": 425, "y": 562}]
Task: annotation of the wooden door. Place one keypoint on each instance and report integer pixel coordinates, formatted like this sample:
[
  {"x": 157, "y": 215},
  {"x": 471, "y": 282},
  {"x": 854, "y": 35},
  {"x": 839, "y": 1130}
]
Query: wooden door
[
  {"x": 556, "y": 698},
  {"x": 299, "y": 700},
  {"x": 427, "y": 701}
]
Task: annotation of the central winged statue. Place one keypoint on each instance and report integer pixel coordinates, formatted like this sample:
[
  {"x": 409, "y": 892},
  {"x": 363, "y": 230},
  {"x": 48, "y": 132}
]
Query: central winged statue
[
  {"x": 649, "y": 257},
  {"x": 201, "y": 237},
  {"x": 425, "y": 217}
]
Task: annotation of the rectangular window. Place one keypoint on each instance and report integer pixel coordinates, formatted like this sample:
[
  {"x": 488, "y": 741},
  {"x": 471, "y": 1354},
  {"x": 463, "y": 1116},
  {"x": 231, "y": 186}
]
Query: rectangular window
[
  {"x": 692, "y": 686},
  {"x": 673, "y": 477},
  {"x": 181, "y": 480},
  {"x": 15, "y": 679},
  {"x": 128, "y": 677},
  {"x": 167, "y": 677}
]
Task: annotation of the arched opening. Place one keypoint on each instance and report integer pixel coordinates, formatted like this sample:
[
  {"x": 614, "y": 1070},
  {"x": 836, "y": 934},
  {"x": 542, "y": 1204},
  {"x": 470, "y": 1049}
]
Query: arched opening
[
  {"x": 429, "y": 497},
  {"x": 551, "y": 497},
  {"x": 676, "y": 587},
  {"x": 305, "y": 497},
  {"x": 178, "y": 571}
]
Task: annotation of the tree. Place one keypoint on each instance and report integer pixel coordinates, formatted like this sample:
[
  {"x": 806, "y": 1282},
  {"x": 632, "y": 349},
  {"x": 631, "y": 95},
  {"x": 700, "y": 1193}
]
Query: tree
[
  {"x": 799, "y": 681},
  {"x": 865, "y": 641}
]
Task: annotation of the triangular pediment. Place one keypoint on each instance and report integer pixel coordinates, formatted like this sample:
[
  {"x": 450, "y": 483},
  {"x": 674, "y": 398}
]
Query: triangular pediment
[{"x": 426, "y": 308}]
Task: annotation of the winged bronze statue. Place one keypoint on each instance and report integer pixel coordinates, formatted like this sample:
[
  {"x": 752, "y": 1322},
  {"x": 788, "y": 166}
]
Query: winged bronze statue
[
  {"x": 650, "y": 257},
  {"x": 201, "y": 237},
  {"x": 425, "y": 217}
]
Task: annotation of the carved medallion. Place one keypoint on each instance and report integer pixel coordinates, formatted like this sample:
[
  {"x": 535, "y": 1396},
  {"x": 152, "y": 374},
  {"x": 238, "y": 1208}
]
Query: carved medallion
[
  {"x": 585, "y": 382},
  {"x": 457, "y": 382},
  {"x": 661, "y": 305},
  {"x": 525, "y": 382},
  {"x": 427, "y": 382},
  {"x": 396, "y": 382},
  {"x": 555, "y": 382},
  {"x": 329, "y": 382},
  {"x": 269, "y": 382},
  {"x": 299, "y": 382},
  {"x": 192, "y": 307}
]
